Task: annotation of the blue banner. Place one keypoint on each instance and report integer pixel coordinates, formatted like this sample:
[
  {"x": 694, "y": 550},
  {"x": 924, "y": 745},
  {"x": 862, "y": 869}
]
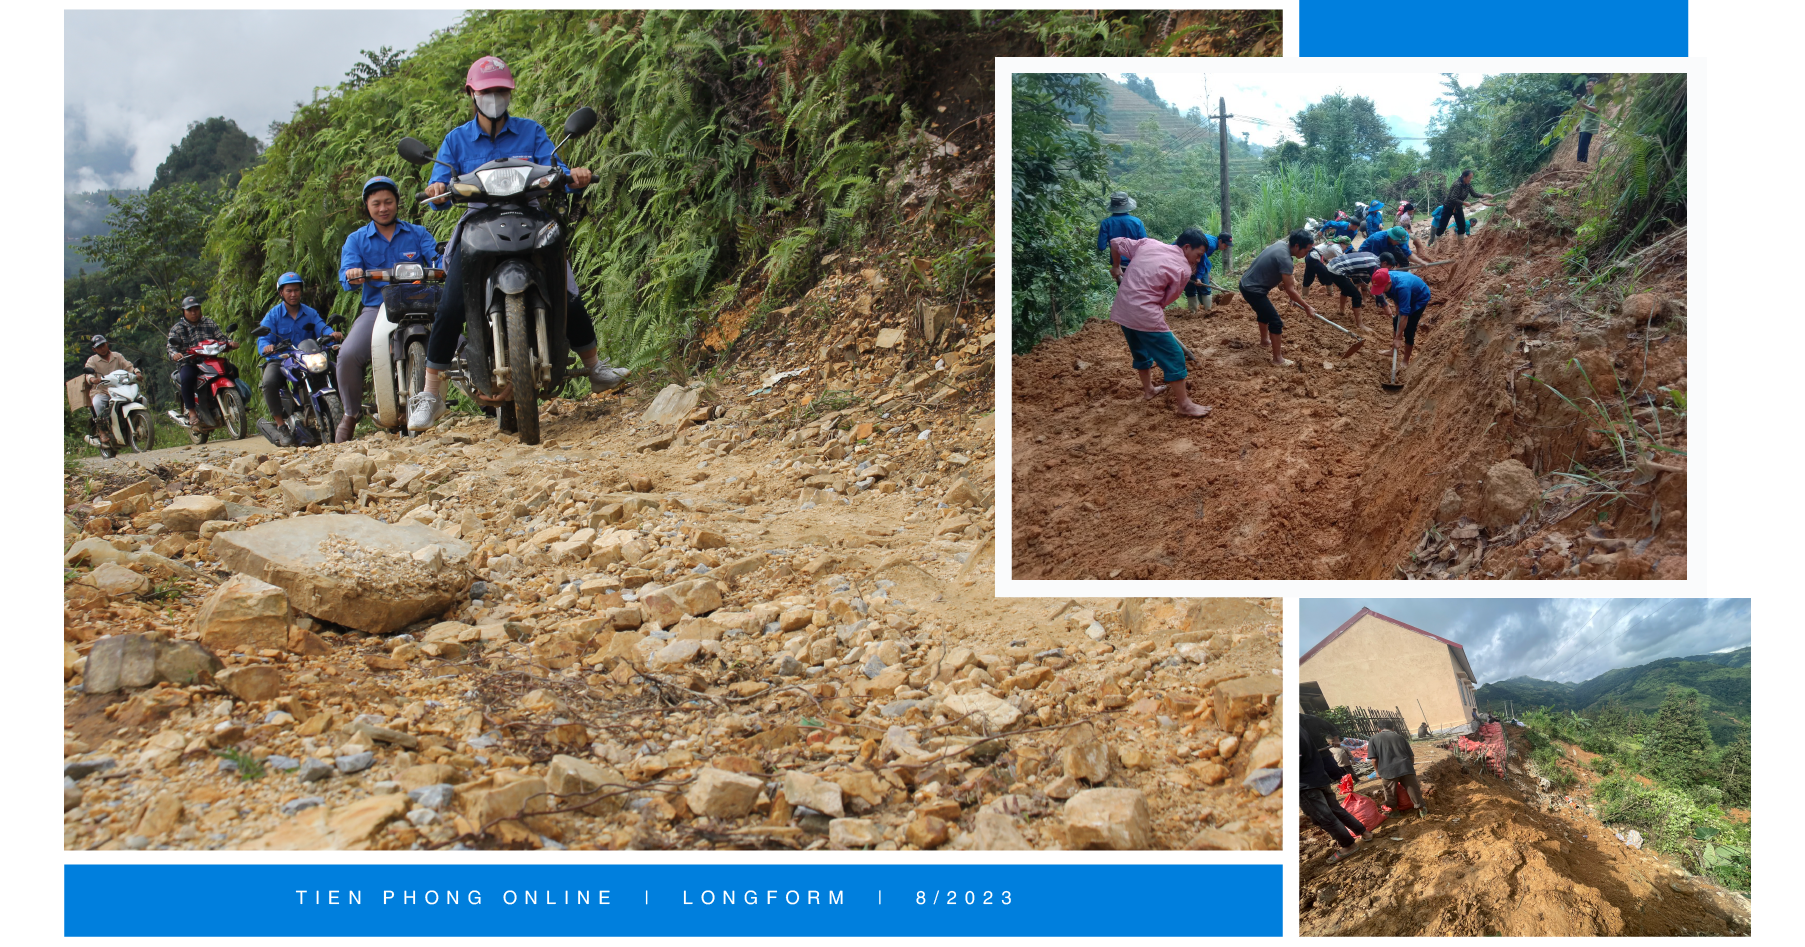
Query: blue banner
[
  {"x": 1520, "y": 28},
  {"x": 692, "y": 900}
]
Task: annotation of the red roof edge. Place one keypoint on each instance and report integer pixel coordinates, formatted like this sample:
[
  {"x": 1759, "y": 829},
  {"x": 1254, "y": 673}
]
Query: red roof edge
[{"x": 1362, "y": 613}]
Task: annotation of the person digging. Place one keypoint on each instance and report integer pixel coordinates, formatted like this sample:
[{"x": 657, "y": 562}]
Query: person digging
[
  {"x": 1273, "y": 267},
  {"x": 1143, "y": 291},
  {"x": 1412, "y": 296}
]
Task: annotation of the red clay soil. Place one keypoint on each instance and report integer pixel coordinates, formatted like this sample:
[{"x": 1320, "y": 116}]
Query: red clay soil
[
  {"x": 1507, "y": 867},
  {"x": 1314, "y": 472}
]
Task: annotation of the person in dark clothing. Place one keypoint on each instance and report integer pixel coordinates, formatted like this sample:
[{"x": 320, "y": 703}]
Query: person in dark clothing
[
  {"x": 1454, "y": 206},
  {"x": 1422, "y": 730},
  {"x": 1394, "y": 762},
  {"x": 1317, "y": 773}
]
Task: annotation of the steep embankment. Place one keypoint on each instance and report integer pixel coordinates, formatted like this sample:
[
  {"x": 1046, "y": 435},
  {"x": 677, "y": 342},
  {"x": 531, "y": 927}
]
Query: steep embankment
[
  {"x": 1475, "y": 470},
  {"x": 1500, "y": 858}
]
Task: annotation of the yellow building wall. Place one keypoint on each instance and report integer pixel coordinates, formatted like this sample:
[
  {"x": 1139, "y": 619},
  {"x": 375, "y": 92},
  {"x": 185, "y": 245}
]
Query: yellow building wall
[{"x": 1380, "y": 665}]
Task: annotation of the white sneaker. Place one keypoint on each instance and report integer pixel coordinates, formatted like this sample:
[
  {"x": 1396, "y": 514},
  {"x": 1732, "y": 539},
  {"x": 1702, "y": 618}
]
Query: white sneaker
[
  {"x": 423, "y": 409},
  {"x": 604, "y": 376}
]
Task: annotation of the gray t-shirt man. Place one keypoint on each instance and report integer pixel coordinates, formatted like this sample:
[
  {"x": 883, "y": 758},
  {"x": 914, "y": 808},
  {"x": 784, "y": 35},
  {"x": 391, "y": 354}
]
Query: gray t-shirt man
[{"x": 1268, "y": 268}]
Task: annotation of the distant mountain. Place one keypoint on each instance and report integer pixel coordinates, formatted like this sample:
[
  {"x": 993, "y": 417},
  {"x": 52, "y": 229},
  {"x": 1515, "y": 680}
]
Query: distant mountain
[
  {"x": 84, "y": 215},
  {"x": 1723, "y": 678}
]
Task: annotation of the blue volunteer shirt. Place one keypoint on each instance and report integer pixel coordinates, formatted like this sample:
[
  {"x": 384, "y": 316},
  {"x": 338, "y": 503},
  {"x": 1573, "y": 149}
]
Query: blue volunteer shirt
[
  {"x": 1382, "y": 243},
  {"x": 467, "y": 147},
  {"x": 1120, "y": 225},
  {"x": 1203, "y": 265},
  {"x": 1409, "y": 291},
  {"x": 1339, "y": 228},
  {"x": 368, "y": 249},
  {"x": 292, "y": 329},
  {"x": 1375, "y": 218}
]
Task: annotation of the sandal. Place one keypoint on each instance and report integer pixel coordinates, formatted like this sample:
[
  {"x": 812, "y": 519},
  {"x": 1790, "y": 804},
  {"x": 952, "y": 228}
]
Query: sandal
[{"x": 1341, "y": 853}]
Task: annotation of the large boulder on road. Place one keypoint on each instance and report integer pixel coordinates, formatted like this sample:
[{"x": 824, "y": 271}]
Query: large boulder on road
[{"x": 351, "y": 569}]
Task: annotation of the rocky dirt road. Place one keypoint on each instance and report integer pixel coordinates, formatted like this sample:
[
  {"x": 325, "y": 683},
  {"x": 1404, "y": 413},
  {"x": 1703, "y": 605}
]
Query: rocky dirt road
[{"x": 732, "y": 619}]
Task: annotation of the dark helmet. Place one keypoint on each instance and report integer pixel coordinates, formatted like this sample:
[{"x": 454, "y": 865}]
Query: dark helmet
[
  {"x": 189, "y": 302},
  {"x": 97, "y": 341}
]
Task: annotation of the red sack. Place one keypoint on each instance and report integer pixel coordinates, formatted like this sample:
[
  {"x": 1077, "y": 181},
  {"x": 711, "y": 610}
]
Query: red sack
[
  {"x": 1346, "y": 785},
  {"x": 1364, "y": 809}
]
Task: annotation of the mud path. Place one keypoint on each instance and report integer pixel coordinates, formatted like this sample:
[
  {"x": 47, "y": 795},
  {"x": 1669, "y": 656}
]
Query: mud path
[
  {"x": 1316, "y": 472},
  {"x": 1493, "y": 860}
]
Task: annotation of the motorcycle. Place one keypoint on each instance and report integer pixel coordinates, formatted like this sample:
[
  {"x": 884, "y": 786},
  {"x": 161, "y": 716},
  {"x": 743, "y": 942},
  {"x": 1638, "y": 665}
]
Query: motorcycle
[
  {"x": 398, "y": 339},
  {"x": 309, "y": 397},
  {"x": 219, "y": 394},
  {"x": 129, "y": 419},
  {"x": 511, "y": 255}
]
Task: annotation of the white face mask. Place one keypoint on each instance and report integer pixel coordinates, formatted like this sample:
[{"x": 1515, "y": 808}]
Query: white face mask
[{"x": 493, "y": 105}]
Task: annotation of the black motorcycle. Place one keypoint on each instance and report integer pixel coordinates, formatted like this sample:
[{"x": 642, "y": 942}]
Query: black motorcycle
[{"x": 511, "y": 256}]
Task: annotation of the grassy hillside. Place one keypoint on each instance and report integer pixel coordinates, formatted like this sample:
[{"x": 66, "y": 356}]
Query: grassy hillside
[
  {"x": 1722, "y": 678},
  {"x": 735, "y": 150}
]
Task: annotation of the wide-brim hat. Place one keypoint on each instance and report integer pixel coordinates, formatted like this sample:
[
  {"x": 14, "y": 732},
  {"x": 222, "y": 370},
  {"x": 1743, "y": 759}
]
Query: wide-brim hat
[{"x": 1120, "y": 202}]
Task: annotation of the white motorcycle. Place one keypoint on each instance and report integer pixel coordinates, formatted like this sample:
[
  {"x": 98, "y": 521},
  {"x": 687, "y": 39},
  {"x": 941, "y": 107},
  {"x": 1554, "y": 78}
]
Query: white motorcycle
[
  {"x": 398, "y": 340},
  {"x": 129, "y": 419}
]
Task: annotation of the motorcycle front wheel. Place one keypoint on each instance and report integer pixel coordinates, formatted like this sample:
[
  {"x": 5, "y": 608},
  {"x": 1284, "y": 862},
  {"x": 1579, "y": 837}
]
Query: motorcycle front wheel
[
  {"x": 415, "y": 370},
  {"x": 231, "y": 415},
  {"x": 140, "y": 432},
  {"x": 520, "y": 370},
  {"x": 332, "y": 411}
]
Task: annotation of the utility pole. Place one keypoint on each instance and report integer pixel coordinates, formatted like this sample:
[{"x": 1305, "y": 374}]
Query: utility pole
[{"x": 1222, "y": 118}]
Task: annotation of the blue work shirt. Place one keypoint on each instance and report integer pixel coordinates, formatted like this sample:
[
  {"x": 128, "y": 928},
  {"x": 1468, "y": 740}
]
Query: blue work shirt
[
  {"x": 467, "y": 147},
  {"x": 1203, "y": 265},
  {"x": 368, "y": 249},
  {"x": 1375, "y": 218},
  {"x": 1382, "y": 243},
  {"x": 291, "y": 329},
  {"x": 1120, "y": 225},
  {"x": 1339, "y": 228},
  {"x": 1409, "y": 291}
]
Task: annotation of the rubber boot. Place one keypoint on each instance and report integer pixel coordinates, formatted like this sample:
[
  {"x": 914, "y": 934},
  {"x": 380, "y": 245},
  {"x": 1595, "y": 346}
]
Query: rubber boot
[
  {"x": 1209, "y": 304},
  {"x": 347, "y": 427}
]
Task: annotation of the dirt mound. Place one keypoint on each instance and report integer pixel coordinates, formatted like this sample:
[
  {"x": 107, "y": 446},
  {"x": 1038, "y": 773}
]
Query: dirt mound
[
  {"x": 1492, "y": 861},
  {"x": 1315, "y": 472}
]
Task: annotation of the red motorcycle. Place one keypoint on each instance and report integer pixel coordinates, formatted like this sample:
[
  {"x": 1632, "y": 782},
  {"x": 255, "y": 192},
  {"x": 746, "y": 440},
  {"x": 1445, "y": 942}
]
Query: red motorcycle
[{"x": 219, "y": 394}]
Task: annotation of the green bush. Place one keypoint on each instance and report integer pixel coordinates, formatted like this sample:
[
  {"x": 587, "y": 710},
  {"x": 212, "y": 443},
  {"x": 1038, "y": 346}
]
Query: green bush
[{"x": 1602, "y": 765}]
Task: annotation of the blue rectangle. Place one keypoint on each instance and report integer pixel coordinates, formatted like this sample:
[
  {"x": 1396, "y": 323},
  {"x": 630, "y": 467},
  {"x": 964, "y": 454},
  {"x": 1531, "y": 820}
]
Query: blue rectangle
[
  {"x": 1522, "y": 28},
  {"x": 692, "y": 900}
]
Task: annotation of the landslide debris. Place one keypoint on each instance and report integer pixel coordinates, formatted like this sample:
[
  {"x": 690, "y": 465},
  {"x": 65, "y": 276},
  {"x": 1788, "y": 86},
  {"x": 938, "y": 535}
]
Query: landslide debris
[{"x": 770, "y": 624}]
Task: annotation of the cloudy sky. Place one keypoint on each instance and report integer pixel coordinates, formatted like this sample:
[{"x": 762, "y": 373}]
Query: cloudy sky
[
  {"x": 1568, "y": 639},
  {"x": 1406, "y": 100},
  {"x": 134, "y": 79}
]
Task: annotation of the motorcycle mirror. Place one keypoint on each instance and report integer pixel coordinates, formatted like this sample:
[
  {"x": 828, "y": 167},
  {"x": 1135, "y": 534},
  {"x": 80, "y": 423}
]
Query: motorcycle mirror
[
  {"x": 579, "y": 122},
  {"x": 413, "y": 151},
  {"x": 261, "y": 332}
]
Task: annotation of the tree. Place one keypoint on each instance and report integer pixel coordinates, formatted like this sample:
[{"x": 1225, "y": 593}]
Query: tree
[
  {"x": 376, "y": 65},
  {"x": 1340, "y": 129},
  {"x": 1060, "y": 180},
  {"x": 154, "y": 242},
  {"x": 214, "y": 153},
  {"x": 1735, "y": 773},
  {"x": 1680, "y": 749}
]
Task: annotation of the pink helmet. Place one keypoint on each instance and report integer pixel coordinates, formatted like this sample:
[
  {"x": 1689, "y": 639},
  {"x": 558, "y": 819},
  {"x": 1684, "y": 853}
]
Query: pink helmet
[{"x": 488, "y": 72}]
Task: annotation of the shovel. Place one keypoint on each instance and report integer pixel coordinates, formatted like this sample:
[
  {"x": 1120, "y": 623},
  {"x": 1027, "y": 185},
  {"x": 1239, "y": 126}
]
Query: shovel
[
  {"x": 1358, "y": 341},
  {"x": 1393, "y": 384}
]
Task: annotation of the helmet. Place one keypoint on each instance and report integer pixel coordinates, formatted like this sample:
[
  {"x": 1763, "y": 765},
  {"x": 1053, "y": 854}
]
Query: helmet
[
  {"x": 97, "y": 341},
  {"x": 378, "y": 183},
  {"x": 488, "y": 72},
  {"x": 1381, "y": 280},
  {"x": 189, "y": 302},
  {"x": 287, "y": 278}
]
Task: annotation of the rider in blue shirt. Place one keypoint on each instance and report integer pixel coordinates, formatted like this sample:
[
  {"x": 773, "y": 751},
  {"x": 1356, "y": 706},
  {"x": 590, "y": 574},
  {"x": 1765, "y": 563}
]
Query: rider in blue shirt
[
  {"x": 493, "y": 133},
  {"x": 1412, "y": 296},
  {"x": 378, "y": 245},
  {"x": 293, "y": 322}
]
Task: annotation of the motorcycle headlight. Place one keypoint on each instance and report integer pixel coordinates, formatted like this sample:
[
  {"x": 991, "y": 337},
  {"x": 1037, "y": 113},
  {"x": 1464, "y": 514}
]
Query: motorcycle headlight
[
  {"x": 407, "y": 271},
  {"x": 503, "y": 182},
  {"x": 547, "y": 236},
  {"x": 314, "y": 362}
]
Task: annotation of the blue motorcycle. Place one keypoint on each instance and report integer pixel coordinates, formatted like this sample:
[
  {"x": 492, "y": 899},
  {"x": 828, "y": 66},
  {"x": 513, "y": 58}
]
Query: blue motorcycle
[{"x": 309, "y": 395}]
